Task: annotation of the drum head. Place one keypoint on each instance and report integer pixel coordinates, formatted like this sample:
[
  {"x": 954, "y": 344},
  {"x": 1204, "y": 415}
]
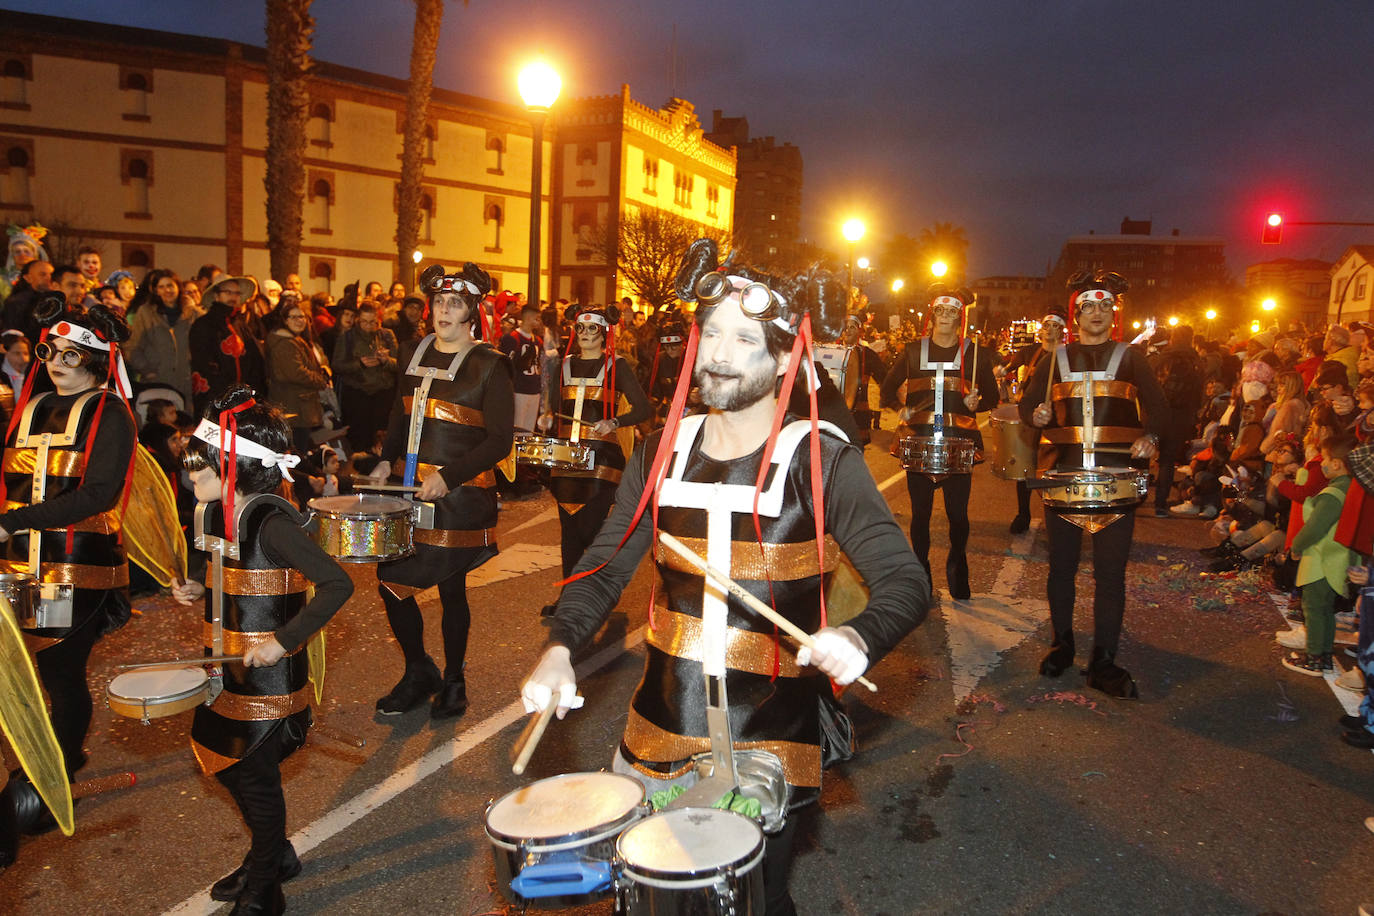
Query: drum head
[
  {"x": 359, "y": 505},
  {"x": 689, "y": 841},
  {"x": 567, "y": 807},
  {"x": 158, "y": 684}
]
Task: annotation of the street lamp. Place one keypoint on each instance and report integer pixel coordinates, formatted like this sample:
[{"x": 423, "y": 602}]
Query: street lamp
[
  {"x": 1173, "y": 321},
  {"x": 852, "y": 230},
  {"x": 897, "y": 285},
  {"x": 539, "y": 87},
  {"x": 1269, "y": 304},
  {"x": 939, "y": 268},
  {"x": 1211, "y": 316},
  {"x": 415, "y": 257},
  {"x": 863, "y": 263}
]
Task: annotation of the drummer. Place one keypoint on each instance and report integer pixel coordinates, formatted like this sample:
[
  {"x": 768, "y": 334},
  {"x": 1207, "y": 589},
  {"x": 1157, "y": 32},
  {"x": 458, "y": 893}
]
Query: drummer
[
  {"x": 867, "y": 365},
  {"x": 591, "y": 386},
  {"x": 667, "y": 364},
  {"x": 1022, "y": 366},
  {"x": 712, "y": 464},
  {"x": 263, "y": 712},
  {"x": 75, "y": 513},
  {"x": 451, "y": 424},
  {"x": 946, "y": 354},
  {"x": 1128, "y": 387}
]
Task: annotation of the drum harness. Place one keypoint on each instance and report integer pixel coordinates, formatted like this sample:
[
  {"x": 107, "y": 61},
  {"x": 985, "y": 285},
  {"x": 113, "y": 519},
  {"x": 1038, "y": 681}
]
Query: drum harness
[
  {"x": 1086, "y": 378},
  {"x": 940, "y": 370},
  {"x": 580, "y": 398},
  {"x": 420, "y": 400}
]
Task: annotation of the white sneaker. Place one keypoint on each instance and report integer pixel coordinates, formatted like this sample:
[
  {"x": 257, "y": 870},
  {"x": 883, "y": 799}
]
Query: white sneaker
[
  {"x": 1187, "y": 510},
  {"x": 1352, "y": 680},
  {"x": 1292, "y": 638}
]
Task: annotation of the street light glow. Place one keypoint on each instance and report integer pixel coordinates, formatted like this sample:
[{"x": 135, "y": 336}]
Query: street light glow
[
  {"x": 416, "y": 256},
  {"x": 1269, "y": 305},
  {"x": 853, "y": 230},
  {"x": 1275, "y": 219},
  {"x": 1254, "y": 327},
  {"x": 939, "y": 268},
  {"x": 1135, "y": 325},
  {"x": 1211, "y": 314},
  {"x": 1173, "y": 321},
  {"x": 897, "y": 285},
  {"x": 863, "y": 263},
  {"x": 539, "y": 85}
]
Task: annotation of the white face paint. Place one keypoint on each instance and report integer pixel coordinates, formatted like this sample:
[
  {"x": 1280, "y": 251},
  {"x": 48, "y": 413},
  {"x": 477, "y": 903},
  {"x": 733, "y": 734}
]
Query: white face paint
[
  {"x": 450, "y": 315},
  {"x": 734, "y": 368},
  {"x": 207, "y": 485}
]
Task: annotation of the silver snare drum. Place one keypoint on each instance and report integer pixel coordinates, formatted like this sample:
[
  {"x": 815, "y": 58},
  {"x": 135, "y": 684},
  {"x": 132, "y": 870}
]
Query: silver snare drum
[
  {"x": 1096, "y": 488},
  {"x": 937, "y": 456},
  {"x": 362, "y": 527},
  {"x": 555, "y": 454},
  {"x": 688, "y": 861},
  {"x": 38, "y": 605},
  {"x": 553, "y": 841}
]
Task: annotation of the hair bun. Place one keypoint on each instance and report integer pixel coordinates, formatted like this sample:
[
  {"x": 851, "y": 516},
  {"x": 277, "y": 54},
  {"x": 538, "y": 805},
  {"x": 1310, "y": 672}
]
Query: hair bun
[
  {"x": 235, "y": 396},
  {"x": 49, "y": 307},
  {"x": 477, "y": 277},
  {"x": 702, "y": 257},
  {"x": 107, "y": 324}
]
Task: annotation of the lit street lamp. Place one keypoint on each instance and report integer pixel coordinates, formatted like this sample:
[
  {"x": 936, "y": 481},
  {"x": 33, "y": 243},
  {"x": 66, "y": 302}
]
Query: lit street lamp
[
  {"x": 939, "y": 268},
  {"x": 852, "y": 230},
  {"x": 897, "y": 285},
  {"x": 1269, "y": 304},
  {"x": 863, "y": 263},
  {"x": 1211, "y": 315},
  {"x": 539, "y": 87},
  {"x": 416, "y": 257},
  {"x": 1173, "y": 321}
]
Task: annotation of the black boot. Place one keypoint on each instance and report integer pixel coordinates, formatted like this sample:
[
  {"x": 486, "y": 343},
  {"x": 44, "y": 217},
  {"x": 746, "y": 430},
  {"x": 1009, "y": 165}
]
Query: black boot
[
  {"x": 1020, "y": 523},
  {"x": 1060, "y": 656},
  {"x": 1105, "y": 675},
  {"x": 266, "y": 900},
  {"x": 956, "y": 571},
  {"x": 415, "y": 686},
  {"x": 452, "y": 699},
  {"x": 231, "y": 886}
]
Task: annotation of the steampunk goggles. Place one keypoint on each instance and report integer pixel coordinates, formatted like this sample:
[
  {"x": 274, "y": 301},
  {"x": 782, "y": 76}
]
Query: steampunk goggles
[
  {"x": 756, "y": 300},
  {"x": 71, "y": 357}
]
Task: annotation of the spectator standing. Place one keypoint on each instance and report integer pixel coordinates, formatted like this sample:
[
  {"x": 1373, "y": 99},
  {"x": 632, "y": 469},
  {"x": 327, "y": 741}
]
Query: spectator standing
[
  {"x": 159, "y": 350},
  {"x": 88, "y": 262},
  {"x": 524, "y": 346},
  {"x": 1322, "y": 562},
  {"x": 409, "y": 324},
  {"x": 225, "y": 342},
  {"x": 1180, "y": 371},
  {"x": 35, "y": 278},
  {"x": 365, "y": 363},
  {"x": 295, "y": 375}
]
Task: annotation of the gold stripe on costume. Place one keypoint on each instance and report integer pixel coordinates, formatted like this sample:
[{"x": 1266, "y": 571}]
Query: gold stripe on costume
[
  {"x": 263, "y": 581},
  {"x": 593, "y": 393},
  {"x": 436, "y": 409},
  {"x": 242, "y": 708},
  {"x": 601, "y": 472},
  {"x": 210, "y": 762},
  {"x": 453, "y": 537},
  {"x": 589, "y": 433},
  {"x": 484, "y": 479},
  {"x": 100, "y": 523},
  {"x": 61, "y": 462},
  {"x": 1062, "y": 435},
  {"x": 572, "y": 508},
  {"x": 801, "y": 763},
  {"x": 237, "y": 642},
  {"x": 78, "y": 574},
  {"x": 1102, "y": 388},
  {"x": 401, "y": 591},
  {"x": 927, "y": 418},
  {"x": 37, "y": 644},
  {"x": 927, "y": 383},
  {"x": 680, "y": 636},
  {"x": 781, "y": 562}
]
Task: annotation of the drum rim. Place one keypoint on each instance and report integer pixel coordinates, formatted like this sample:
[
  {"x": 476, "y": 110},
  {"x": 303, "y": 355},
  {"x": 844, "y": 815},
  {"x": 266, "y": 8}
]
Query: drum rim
[
  {"x": 594, "y": 833},
  {"x": 704, "y": 876},
  {"x": 20, "y": 580},
  {"x": 402, "y": 507},
  {"x": 163, "y": 700}
]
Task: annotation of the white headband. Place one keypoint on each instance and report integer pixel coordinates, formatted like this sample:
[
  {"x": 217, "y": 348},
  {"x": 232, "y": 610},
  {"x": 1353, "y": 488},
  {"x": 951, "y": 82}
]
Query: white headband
[
  {"x": 84, "y": 336},
  {"x": 212, "y": 434},
  {"x": 1093, "y": 295},
  {"x": 1054, "y": 319},
  {"x": 593, "y": 318},
  {"x": 948, "y": 300}
]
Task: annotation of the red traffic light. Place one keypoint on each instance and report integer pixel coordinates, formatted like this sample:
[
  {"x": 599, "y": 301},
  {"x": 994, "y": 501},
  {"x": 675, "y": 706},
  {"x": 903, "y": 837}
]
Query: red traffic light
[{"x": 1272, "y": 233}]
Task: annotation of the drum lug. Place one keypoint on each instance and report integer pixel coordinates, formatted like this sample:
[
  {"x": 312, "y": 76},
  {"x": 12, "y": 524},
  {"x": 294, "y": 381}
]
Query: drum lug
[{"x": 725, "y": 892}]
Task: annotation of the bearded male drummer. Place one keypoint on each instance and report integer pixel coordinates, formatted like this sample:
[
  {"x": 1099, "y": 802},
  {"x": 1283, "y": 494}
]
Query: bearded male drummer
[
  {"x": 1101, "y": 386},
  {"x": 711, "y": 464},
  {"x": 1027, "y": 358},
  {"x": 452, "y": 423},
  {"x": 941, "y": 392}
]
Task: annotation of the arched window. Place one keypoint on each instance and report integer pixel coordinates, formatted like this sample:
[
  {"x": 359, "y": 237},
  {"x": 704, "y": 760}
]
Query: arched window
[
  {"x": 321, "y": 192},
  {"x": 321, "y": 116},
  {"x": 14, "y": 191},
  {"x": 322, "y": 271},
  {"x": 496, "y": 151},
  {"x": 138, "y": 258},
  {"x": 138, "y": 86},
  {"x": 427, "y": 217},
  {"x": 138, "y": 178},
  {"x": 430, "y": 138},
  {"x": 493, "y": 220},
  {"x": 14, "y": 83}
]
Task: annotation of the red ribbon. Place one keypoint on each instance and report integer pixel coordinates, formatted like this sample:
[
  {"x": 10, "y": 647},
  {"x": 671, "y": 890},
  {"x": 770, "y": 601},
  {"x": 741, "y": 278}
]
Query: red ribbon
[{"x": 229, "y": 462}]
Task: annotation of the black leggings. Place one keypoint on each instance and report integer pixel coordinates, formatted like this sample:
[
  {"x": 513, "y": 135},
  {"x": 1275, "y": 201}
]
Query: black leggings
[
  {"x": 579, "y": 530},
  {"x": 62, "y": 669},
  {"x": 255, "y": 784},
  {"x": 922, "y": 489},
  {"x": 1111, "y": 551},
  {"x": 404, "y": 616}
]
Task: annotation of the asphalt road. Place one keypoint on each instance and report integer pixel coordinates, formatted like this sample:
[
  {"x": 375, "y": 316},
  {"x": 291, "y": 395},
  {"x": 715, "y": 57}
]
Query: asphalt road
[{"x": 980, "y": 787}]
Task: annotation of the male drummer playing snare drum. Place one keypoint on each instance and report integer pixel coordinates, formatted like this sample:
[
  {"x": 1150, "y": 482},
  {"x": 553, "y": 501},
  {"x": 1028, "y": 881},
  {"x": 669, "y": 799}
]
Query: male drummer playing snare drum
[
  {"x": 1028, "y": 357},
  {"x": 710, "y": 466},
  {"x": 944, "y": 355},
  {"x": 1108, "y": 415}
]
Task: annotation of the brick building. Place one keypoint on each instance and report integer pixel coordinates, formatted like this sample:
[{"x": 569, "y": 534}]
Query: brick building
[
  {"x": 768, "y": 197},
  {"x": 1300, "y": 287}
]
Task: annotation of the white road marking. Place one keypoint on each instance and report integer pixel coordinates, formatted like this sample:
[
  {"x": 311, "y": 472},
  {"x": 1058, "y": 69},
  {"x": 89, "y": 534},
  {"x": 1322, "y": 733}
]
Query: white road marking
[
  {"x": 900, "y": 475},
  {"x": 513, "y": 561},
  {"x": 407, "y": 778},
  {"x": 549, "y": 514}
]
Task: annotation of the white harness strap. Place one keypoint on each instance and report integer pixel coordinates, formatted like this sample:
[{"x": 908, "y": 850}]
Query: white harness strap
[
  {"x": 1089, "y": 400},
  {"x": 598, "y": 381},
  {"x": 940, "y": 369}
]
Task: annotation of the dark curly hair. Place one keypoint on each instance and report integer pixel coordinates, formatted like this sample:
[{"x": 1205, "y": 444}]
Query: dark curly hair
[
  {"x": 262, "y": 423},
  {"x": 1109, "y": 280},
  {"x": 52, "y": 308}
]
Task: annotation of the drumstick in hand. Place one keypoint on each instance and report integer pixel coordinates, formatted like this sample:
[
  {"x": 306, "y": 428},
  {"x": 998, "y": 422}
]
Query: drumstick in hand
[
  {"x": 185, "y": 662},
  {"x": 529, "y": 738},
  {"x": 754, "y": 604}
]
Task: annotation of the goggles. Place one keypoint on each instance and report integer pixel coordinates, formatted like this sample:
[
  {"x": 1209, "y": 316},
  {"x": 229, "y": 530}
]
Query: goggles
[
  {"x": 756, "y": 299},
  {"x": 586, "y": 327},
  {"x": 71, "y": 357},
  {"x": 1096, "y": 305}
]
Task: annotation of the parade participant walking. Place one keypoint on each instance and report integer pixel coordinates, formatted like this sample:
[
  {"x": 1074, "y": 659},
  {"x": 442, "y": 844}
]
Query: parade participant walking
[
  {"x": 1027, "y": 358},
  {"x": 592, "y": 382},
  {"x": 665, "y": 366},
  {"x": 451, "y": 424},
  {"x": 263, "y": 713},
  {"x": 941, "y": 393},
  {"x": 1101, "y": 386},
  {"x": 63, "y": 526},
  {"x": 707, "y": 474}
]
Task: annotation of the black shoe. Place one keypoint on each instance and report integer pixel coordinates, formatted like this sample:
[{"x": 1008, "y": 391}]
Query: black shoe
[
  {"x": 956, "y": 571},
  {"x": 1224, "y": 549},
  {"x": 1352, "y": 722},
  {"x": 1020, "y": 524},
  {"x": 231, "y": 886},
  {"x": 1361, "y": 739},
  {"x": 1162, "y": 513},
  {"x": 415, "y": 686},
  {"x": 1105, "y": 675},
  {"x": 548, "y": 610},
  {"x": 260, "y": 901},
  {"x": 451, "y": 701},
  {"x": 1060, "y": 657}
]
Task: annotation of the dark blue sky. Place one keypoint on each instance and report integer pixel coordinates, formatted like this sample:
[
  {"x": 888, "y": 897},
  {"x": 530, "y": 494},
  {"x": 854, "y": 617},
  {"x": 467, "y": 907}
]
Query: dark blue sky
[{"x": 1024, "y": 122}]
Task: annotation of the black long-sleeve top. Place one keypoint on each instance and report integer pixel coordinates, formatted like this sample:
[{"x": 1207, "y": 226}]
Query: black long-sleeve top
[
  {"x": 626, "y": 383},
  {"x": 855, "y": 514},
  {"x": 287, "y": 545},
  {"x": 907, "y": 365},
  {"x": 1134, "y": 368}
]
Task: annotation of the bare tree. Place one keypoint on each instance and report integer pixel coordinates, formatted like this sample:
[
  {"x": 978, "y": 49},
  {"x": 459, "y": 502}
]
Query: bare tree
[
  {"x": 290, "y": 30},
  {"x": 648, "y": 250},
  {"x": 429, "y": 17}
]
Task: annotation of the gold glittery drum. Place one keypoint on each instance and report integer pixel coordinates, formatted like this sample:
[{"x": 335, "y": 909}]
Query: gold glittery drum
[
  {"x": 556, "y": 454},
  {"x": 363, "y": 527}
]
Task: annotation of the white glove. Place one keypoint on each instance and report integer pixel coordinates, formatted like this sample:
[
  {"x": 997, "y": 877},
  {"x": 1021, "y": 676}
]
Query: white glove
[
  {"x": 837, "y": 652},
  {"x": 381, "y": 472},
  {"x": 536, "y": 697},
  {"x": 553, "y": 672}
]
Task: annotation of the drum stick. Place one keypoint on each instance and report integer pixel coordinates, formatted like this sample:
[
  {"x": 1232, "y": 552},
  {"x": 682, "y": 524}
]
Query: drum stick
[
  {"x": 1049, "y": 385},
  {"x": 367, "y": 484},
  {"x": 754, "y": 604},
  {"x": 529, "y": 738},
  {"x": 334, "y": 734},
  {"x": 185, "y": 662}
]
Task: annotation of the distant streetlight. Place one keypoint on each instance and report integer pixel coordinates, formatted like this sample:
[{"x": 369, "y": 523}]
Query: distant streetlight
[
  {"x": 539, "y": 87},
  {"x": 1211, "y": 316},
  {"x": 939, "y": 268},
  {"x": 1173, "y": 321},
  {"x": 1135, "y": 325},
  {"x": 852, "y": 230},
  {"x": 897, "y": 285},
  {"x": 1269, "y": 304},
  {"x": 416, "y": 257},
  {"x": 1254, "y": 327},
  {"x": 863, "y": 263}
]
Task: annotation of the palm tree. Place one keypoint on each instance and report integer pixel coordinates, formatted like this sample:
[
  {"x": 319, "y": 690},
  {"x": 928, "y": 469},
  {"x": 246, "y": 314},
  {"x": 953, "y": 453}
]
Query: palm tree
[
  {"x": 289, "y": 32},
  {"x": 429, "y": 16},
  {"x": 945, "y": 242}
]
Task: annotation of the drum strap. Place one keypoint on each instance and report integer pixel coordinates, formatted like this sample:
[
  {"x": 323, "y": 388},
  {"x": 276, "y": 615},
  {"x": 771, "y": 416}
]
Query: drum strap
[
  {"x": 940, "y": 370},
  {"x": 581, "y": 398},
  {"x": 420, "y": 401}
]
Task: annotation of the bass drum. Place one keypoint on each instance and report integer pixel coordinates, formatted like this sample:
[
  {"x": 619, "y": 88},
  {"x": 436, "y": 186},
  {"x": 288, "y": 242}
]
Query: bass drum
[{"x": 1014, "y": 444}]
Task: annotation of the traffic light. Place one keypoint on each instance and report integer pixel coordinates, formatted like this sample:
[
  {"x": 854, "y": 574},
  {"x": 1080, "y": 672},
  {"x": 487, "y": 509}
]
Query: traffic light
[{"x": 1272, "y": 233}]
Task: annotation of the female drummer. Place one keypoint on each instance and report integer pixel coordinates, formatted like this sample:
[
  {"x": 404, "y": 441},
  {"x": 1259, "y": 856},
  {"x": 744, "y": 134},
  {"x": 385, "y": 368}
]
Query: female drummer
[
  {"x": 66, "y": 514},
  {"x": 452, "y": 423},
  {"x": 263, "y": 712},
  {"x": 592, "y": 383}
]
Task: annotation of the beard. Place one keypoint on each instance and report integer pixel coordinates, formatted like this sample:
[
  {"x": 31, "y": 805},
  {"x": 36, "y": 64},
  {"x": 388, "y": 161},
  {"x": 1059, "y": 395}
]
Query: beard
[{"x": 727, "y": 388}]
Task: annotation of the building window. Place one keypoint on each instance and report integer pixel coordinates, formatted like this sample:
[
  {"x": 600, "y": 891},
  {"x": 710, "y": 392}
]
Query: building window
[
  {"x": 431, "y": 137},
  {"x": 136, "y": 174},
  {"x": 493, "y": 219},
  {"x": 322, "y": 271},
  {"x": 496, "y": 153},
  {"x": 586, "y": 165},
  {"x": 584, "y": 227},
  {"x": 14, "y": 84},
  {"x": 682, "y": 188},
  {"x": 137, "y": 257},
  {"x": 650, "y": 176},
  {"x": 427, "y": 217},
  {"x": 18, "y": 167},
  {"x": 317, "y": 129},
  {"x": 1361, "y": 287},
  {"x": 319, "y": 202},
  {"x": 136, "y": 86},
  {"x": 712, "y": 200}
]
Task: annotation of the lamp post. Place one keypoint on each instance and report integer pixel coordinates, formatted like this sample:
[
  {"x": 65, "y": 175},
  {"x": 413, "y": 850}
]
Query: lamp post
[
  {"x": 853, "y": 230},
  {"x": 415, "y": 258},
  {"x": 1211, "y": 315},
  {"x": 539, "y": 87},
  {"x": 938, "y": 269}
]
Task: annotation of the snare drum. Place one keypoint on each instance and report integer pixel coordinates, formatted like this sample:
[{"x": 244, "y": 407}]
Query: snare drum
[
  {"x": 556, "y": 454},
  {"x": 363, "y": 527},
  {"x": 157, "y": 692},
  {"x": 23, "y": 592},
  {"x": 937, "y": 457},
  {"x": 686, "y": 861},
  {"x": 1013, "y": 444},
  {"x": 841, "y": 364},
  {"x": 553, "y": 841},
  {"x": 1086, "y": 489}
]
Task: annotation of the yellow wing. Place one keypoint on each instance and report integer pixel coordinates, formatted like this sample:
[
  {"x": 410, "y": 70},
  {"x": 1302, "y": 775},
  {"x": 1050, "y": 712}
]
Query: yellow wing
[
  {"x": 152, "y": 531},
  {"x": 314, "y": 654}
]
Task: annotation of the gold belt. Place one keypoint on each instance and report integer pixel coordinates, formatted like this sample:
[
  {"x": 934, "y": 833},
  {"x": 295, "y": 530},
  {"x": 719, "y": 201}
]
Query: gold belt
[
  {"x": 1102, "y": 388},
  {"x": 927, "y": 418},
  {"x": 449, "y": 412},
  {"x": 1063, "y": 435},
  {"x": 242, "y": 708},
  {"x": 61, "y": 462},
  {"x": 80, "y": 575},
  {"x": 600, "y": 472},
  {"x": 454, "y": 537},
  {"x": 680, "y": 635},
  {"x": 263, "y": 582},
  {"x": 781, "y": 562},
  {"x": 801, "y": 763}
]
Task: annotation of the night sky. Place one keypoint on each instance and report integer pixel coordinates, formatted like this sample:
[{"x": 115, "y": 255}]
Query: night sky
[{"x": 1022, "y": 122}]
